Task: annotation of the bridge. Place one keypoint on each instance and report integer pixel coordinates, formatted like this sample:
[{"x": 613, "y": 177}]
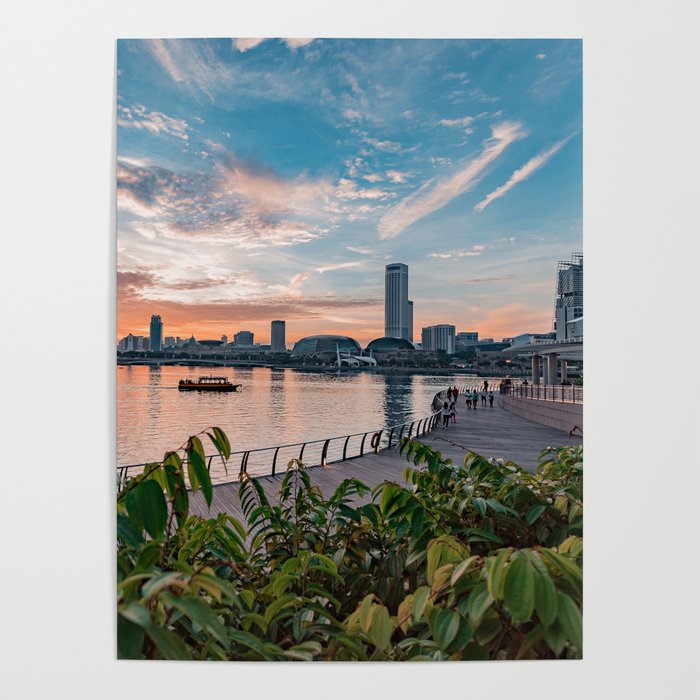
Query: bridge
[
  {"x": 549, "y": 354},
  {"x": 189, "y": 362}
]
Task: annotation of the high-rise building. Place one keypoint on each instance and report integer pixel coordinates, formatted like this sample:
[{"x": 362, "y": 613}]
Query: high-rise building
[
  {"x": 568, "y": 302},
  {"x": 224, "y": 339},
  {"x": 156, "y": 338},
  {"x": 277, "y": 336},
  {"x": 440, "y": 337},
  {"x": 243, "y": 339},
  {"x": 169, "y": 342},
  {"x": 398, "y": 310}
]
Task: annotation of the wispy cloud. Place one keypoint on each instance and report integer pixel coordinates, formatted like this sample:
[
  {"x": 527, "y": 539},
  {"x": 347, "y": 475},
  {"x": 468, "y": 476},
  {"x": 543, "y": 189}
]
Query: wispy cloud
[
  {"x": 246, "y": 44},
  {"x": 461, "y": 253},
  {"x": 464, "y": 122},
  {"x": 348, "y": 189},
  {"x": 358, "y": 249},
  {"x": 296, "y": 43},
  {"x": 437, "y": 192},
  {"x": 138, "y": 117},
  {"x": 532, "y": 166},
  {"x": 339, "y": 266},
  {"x": 541, "y": 56},
  {"x": 398, "y": 176}
]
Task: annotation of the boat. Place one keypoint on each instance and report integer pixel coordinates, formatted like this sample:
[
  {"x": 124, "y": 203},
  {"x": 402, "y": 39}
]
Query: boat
[{"x": 207, "y": 384}]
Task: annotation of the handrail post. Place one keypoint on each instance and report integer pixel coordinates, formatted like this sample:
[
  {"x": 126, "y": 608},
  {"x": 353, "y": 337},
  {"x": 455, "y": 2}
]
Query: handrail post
[
  {"x": 274, "y": 460},
  {"x": 410, "y": 430},
  {"x": 345, "y": 448},
  {"x": 379, "y": 440},
  {"x": 362, "y": 444},
  {"x": 391, "y": 435},
  {"x": 301, "y": 452},
  {"x": 324, "y": 453},
  {"x": 209, "y": 463},
  {"x": 401, "y": 432}
]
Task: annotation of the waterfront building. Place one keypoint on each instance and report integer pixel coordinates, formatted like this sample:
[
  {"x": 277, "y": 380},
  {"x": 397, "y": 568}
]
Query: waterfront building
[
  {"x": 156, "y": 337},
  {"x": 380, "y": 345},
  {"x": 278, "y": 342},
  {"x": 568, "y": 302},
  {"x": 169, "y": 342},
  {"x": 224, "y": 340},
  {"x": 398, "y": 310},
  {"x": 317, "y": 344},
  {"x": 467, "y": 337},
  {"x": 131, "y": 343},
  {"x": 439, "y": 337},
  {"x": 243, "y": 339}
]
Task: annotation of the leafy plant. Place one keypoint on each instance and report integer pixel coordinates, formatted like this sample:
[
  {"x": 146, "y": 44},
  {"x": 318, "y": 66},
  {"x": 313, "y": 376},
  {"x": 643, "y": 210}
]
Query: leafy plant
[{"x": 474, "y": 561}]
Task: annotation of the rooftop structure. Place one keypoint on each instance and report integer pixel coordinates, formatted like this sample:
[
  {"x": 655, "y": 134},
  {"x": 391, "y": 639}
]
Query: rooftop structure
[{"x": 389, "y": 345}]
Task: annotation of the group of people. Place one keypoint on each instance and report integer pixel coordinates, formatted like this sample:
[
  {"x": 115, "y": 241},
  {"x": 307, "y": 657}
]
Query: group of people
[{"x": 449, "y": 406}]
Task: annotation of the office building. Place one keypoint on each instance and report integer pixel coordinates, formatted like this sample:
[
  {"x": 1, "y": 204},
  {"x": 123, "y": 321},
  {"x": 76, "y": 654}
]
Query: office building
[
  {"x": 467, "y": 337},
  {"x": 224, "y": 340},
  {"x": 568, "y": 302},
  {"x": 277, "y": 336},
  {"x": 398, "y": 310},
  {"x": 156, "y": 338},
  {"x": 440, "y": 337},
  {"x": 169, "y": 342},
  {"x": 243, "y": 339}
]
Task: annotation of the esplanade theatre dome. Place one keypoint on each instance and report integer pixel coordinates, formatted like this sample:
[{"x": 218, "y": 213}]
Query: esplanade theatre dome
[
  {"x": 389, "y": 345},
  {"x": 315, "y": 344}
]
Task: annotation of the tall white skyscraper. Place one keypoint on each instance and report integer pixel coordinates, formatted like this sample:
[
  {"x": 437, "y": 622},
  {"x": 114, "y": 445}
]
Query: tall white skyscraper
[
  {"x": 398, "y": 310},
  {"x": 277, "y": 339}
]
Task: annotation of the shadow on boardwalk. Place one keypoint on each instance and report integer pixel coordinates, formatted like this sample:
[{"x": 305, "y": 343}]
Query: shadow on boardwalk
[{"x": 491, "y": 432}]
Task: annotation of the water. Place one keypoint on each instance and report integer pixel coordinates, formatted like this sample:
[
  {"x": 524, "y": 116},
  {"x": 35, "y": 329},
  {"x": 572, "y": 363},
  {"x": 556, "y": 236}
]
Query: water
[{"x": 272, "y": 407}]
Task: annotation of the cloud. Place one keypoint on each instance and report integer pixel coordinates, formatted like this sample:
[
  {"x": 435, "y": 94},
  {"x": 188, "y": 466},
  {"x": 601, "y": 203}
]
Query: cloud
[
  {"x": 483, "y": 280},
  {"x": 475, "y": 250},
  {"x": 246, "y": 44},
  {"x": 339, "y": 266},
  {"x": 463, "y": 122},
  {"x": 398, "y": 176},
  {"x": 438, "y": 191},
  {"x": 295, "y": 43},
  {"x": 532, "y": 166},
  {"x": 137, "y": 117},
  {"x": 348, "y": 189},
  {"x": 239, "y": 204},
  {"x": 386, "y": 146},
  {"x": 541, "y": 56},
  {"x": 358, "y": 249}
]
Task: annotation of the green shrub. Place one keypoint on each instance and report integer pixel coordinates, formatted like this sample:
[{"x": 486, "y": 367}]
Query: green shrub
[{"x": 480, "y": 561}]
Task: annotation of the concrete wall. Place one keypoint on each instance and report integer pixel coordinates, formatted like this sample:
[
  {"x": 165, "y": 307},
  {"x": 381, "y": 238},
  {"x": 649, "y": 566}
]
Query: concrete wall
[{"x": 559, "y": 415}]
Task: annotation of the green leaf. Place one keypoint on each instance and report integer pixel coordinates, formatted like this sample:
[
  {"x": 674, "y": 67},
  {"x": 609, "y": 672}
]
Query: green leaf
[
  {"x": 146, "y": 503},
  {"x": 127, "y": 532},
  {"x": 223, "y": 447},
  {"x": 570, "y": 619},
  {"x": 129, "y": 639},
  {"x": 555, "y": 637},
  {"x": 380, "y": 630},
  {"x": 420, "y": 600},
  {"x": 200, "y": 613},
  {"x": 168, "y": 643},
  {"x": 519, "y": 589},
  {"x": 534, "y": 513},
  {"x": 480, "y": 601},
  {"x": 466, "y": 566},
  {"x": 496, "y": 572},
  {"x": 444, "y": 624},
  {"x": 545, "y": 599}
]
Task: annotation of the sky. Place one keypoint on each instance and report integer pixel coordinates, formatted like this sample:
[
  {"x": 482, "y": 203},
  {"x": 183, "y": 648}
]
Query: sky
[{"x": 262, "y": 179}]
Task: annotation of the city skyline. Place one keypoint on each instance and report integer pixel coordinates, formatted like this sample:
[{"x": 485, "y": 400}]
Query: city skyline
[{"x": 274, "y": 179}]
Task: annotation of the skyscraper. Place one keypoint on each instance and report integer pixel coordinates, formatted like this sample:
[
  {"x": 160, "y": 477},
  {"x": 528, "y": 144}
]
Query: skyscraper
[
  {"x": 568, "y": 302},
  {"x": 156, "y": 339},
  {"x": 440, "y": 337},
  {"x": 243, "y": 339},
  {"x": 398, "y": 310},
  {"x": 277, "y": 339}
]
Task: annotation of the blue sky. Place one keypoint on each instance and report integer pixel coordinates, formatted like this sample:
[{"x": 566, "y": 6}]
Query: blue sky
[{"x": 262, "y": 179}]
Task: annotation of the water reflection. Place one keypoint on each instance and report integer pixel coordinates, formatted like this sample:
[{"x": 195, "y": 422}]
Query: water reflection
[{"x": 271, "y": 407}]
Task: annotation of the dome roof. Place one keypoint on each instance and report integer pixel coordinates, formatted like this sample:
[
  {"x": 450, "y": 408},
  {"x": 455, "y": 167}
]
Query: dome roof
[
  {"x": 390, "y": 344},
  {"x": 325, "y": 343}
]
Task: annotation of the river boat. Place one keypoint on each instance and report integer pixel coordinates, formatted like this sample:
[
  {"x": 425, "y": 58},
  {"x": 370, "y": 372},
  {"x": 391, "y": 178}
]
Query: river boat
[{"x": 207, "y": 384}]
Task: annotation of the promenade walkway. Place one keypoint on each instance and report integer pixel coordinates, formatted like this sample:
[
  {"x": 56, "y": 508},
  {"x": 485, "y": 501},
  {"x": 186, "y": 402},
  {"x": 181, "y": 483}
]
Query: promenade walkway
[{"x": 491, "y": 432}]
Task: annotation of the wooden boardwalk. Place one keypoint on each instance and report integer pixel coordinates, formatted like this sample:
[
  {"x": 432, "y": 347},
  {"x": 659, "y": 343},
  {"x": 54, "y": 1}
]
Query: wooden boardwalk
[{"x": 491, "y": 432}]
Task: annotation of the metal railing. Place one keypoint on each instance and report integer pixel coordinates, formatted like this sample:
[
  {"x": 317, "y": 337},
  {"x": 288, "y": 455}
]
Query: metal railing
[
  {"x": 545, "y": 392},
  {"x": 268, "y": 461}
]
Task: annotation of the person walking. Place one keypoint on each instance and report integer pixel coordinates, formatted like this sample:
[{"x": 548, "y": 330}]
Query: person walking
[
  {"x": 453, "y": 411},
  {"x": 455, "y": 392},
  {"x": 445, "y": 415},
  {"x": 475, "y": 398},
  {"x": 468, "y": 400},
  {"x": 491, "y": 399},
  {"x": 483, "y": 397}
]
